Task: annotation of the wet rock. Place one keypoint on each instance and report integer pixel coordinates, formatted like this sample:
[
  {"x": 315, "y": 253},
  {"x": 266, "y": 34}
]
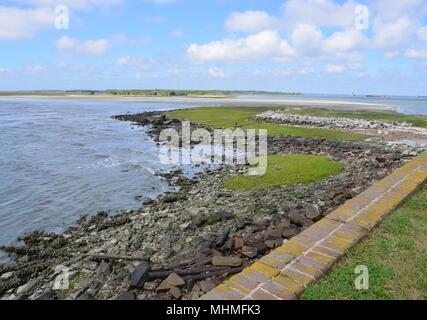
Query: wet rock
[
  {"x": 48, "y": 294},
  {"x": 173, "y": 280},
  {"x": 229, "y": 261},
  {"x": 249, "y": 252},
  {"x": 140, "y": 275}
]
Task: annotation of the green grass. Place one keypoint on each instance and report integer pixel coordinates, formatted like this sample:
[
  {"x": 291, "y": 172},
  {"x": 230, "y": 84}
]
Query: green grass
[
  {"x": 395, "y": 254},
  {"x": 230, "y": 117},
  {"x": 288, "y": 170}
]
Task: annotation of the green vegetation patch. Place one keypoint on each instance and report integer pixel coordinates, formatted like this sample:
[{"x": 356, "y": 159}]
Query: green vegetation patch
[
  {"x": 288, "y": 170},
  {"x": 231, "y": 117},
  {"x": 396, "y": 257}
]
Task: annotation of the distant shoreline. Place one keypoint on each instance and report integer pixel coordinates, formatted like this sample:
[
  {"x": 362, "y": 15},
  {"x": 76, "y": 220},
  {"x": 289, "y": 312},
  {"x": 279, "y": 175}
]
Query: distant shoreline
[{"x": 232, "y": 101}]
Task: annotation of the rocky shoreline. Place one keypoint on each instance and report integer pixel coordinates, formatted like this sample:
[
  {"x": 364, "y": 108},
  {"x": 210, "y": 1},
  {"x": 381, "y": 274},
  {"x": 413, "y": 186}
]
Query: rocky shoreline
[{"x": 182, "y": 244}]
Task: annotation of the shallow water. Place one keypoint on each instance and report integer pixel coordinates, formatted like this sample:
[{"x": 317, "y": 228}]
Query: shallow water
[{"x": 61, "y": 159}]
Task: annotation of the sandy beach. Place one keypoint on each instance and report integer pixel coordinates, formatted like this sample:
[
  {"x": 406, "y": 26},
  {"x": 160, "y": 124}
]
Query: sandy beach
[{"x": 233, "y": 101}]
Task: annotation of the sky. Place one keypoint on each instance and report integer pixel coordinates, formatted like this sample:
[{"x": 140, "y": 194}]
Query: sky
[{"x": 310, "y": 46}]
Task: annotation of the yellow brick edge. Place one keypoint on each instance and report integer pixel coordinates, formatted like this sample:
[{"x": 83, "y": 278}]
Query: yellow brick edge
[{"x": 285, "y": 272}]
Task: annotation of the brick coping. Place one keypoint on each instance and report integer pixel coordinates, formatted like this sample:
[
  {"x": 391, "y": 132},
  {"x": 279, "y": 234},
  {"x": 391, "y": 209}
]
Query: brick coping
[{"x": 285, "y": 272}]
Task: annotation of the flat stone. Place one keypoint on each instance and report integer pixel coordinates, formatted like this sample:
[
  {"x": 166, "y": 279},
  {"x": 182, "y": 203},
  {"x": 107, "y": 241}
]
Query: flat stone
[
  {"x": 250, "y": 252},
  {"x": 175, "y": 292},
  {"x": 140, "y": 275},
  {"x": 228, "y": 261},
  {"x": 206, "y": 285},
  {"x": 173, "y": 280}
]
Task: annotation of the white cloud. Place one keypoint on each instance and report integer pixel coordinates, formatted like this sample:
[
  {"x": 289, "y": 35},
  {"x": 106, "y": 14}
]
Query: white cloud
[
  {"x": 346, "y": 40},
  {"x": 335, "y": 68},
  {"x": 95, "y": 47},
  {"x": 266, "y": 44},
  {"x": 23, "y": 23},
  {"x": 3, "y": 71},
  {"x": 250, "y": 21},
  {"x": 389, "y": 10},
  {"x": 321, "y": 13},
  {"x": 391, "y": 36},
  {"x": 218, "y": 73},
  {"x": 307, "y": 39},
  {"x": 416, "y": 54},
  {"x": 135, "y": 62}
]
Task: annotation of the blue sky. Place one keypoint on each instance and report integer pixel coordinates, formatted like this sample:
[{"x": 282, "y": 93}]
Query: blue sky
[{"x": 313, "y": 46}]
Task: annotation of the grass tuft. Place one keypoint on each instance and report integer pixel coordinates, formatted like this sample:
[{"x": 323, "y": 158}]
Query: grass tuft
[{"x": 288, "y": 170}]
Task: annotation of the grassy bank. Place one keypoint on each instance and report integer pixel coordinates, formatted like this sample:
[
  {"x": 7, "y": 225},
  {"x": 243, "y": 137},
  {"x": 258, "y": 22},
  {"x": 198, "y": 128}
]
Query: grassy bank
[
  {"x": 229, "y": 117},
  {"x": 288, "y": 170},
  {"x": 395, "y": 254}
]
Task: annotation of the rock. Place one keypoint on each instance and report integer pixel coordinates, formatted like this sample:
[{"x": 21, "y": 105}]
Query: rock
[
  {"x": 173, "y": 280},
  {"x": 289, "y": 233},
  {"x": 26, "y": 288},
  {"x": 127, "y": 295},
  {"x": 140, "y": 275},
  {"x": 297, "y": 217},
  {"x": 86, "y": 296},
  {"x": 6, "y": 276},
  {"x": 272, "y": 233},
  {"x": 355, "y": 191},
  {"x": 228, "y": 261},
  {"x": 219, "y": 216},
  {"x": 175, "y": 293},
  {"x": 48, "y": 294},
  {"x": 262, "y": 248},
  {"x": 271, "y": 244},
  {"x": 249, "y": 252},
  {"x": 103, "y": 269},
  {"x": 207, "y": 285},
  {"x": 312, "y": 212},
  {"x": 238, "y": 243}
]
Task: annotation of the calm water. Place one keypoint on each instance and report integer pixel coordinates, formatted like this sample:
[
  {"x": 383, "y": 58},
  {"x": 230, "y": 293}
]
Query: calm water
[
  {"x": 406, "y": 105},
  {"x": 60, "y": 159}
]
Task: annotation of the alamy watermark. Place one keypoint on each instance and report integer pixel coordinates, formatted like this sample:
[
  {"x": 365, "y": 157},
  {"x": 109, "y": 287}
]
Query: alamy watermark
[
  {"x": 361, "y": 282},
  {"x": 220, "y": 146},
  {"x": 62, "y": 17},
  {"x": 361, "y": 21}
]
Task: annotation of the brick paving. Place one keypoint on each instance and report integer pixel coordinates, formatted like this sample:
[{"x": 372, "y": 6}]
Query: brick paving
[{"x": 285, "y": 272}]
